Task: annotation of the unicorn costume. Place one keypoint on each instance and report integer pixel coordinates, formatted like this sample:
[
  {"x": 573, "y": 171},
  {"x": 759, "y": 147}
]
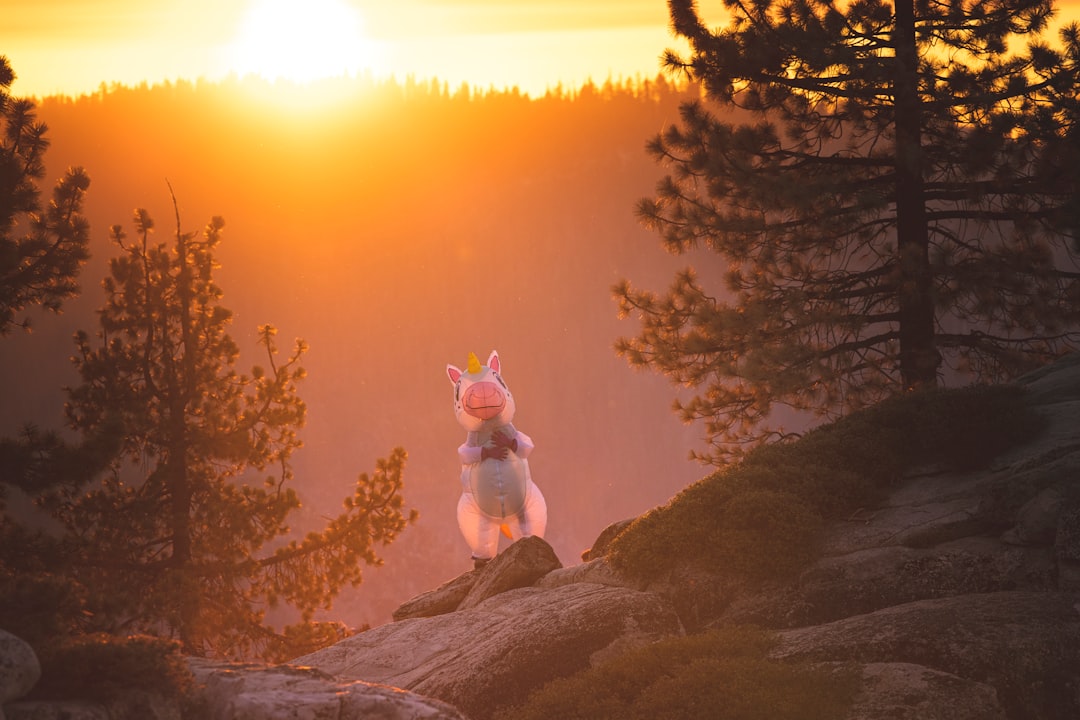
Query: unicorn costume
[{"x": 497, "y": 491}]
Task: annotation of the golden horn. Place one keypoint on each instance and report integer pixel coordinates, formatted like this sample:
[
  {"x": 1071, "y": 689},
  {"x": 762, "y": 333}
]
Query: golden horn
[{"x": 474, "y": 364}]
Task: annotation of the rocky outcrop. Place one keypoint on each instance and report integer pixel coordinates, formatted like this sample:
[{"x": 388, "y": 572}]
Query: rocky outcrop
[
  {"x": 1013, "y": 526},
  {"x": 521, "y": 565},
  {"x": 499, "y": 650},
  {"x": 245, "y": 691},
  {"x": 443, "y": 599},
  {"x": 901, "y": 691},
  {"x": 958, "y": 596},
  {"x": 603, "y": 540},
  {"x": 1026, "y": 645},
  {"x": 283, "y": 692}
]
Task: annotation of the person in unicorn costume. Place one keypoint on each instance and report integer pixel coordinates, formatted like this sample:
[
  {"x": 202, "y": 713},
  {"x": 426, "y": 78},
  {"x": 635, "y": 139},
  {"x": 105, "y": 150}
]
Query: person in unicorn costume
[{"x": 497, "y": 491}]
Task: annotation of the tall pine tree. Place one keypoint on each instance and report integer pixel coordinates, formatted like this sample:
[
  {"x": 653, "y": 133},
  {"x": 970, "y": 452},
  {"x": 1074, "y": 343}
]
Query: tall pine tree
[
  {"x": 185, "y": 533},
  {"x": 894, "y": 188},
  {"x": 41, "y": 248}
]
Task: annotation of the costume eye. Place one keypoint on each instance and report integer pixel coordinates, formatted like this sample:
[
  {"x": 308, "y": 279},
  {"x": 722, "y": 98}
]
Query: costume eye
[
  {"x": 500, "y": 381},
  {"x": 457, "y": 392}
]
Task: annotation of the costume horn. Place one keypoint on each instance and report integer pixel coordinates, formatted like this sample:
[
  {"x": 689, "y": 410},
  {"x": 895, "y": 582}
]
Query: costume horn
[{"x": 474, "y": 367}]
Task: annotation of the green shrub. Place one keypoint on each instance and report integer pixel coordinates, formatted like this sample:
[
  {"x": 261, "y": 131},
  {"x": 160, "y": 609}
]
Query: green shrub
[
  {"x": 103, "y": 668},
  {"x": 753, "y": 533},
  {"x": 857, "y": 444},
  {"x": 721, "y": 674},
  {"x": 761, "y": 534},
  {"x": 827, "y": 490},
  {"x": 760, "y": 518},
  {"x": 686, "y": 527}
]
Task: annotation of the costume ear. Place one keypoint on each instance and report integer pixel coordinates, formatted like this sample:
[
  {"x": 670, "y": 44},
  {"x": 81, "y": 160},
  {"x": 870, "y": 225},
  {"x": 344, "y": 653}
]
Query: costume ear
[
  {"x": 493, "y": 361},
  {"x": 454, "y": 373}
]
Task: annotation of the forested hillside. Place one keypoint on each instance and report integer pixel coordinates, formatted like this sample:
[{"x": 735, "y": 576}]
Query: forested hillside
[{"x": 397, "y": 226}]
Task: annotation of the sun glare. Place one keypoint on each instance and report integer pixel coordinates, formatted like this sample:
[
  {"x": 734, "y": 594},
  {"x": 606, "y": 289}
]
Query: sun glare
[{"x": 302, "y": 41}]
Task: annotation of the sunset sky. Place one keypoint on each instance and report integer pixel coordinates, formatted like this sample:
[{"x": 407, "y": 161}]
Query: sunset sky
[{"x": 72, "y": 46}]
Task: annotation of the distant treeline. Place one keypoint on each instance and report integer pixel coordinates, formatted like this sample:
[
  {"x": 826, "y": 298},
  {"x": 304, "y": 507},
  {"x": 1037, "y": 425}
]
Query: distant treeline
[{"x": 366, "y": 85}]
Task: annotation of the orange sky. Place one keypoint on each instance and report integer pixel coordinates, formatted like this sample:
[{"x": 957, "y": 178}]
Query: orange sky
[{"x": 72, "y": 46}]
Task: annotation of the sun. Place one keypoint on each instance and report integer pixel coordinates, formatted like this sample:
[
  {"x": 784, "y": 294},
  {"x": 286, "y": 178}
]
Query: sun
[{"x": 301, "y": 40}]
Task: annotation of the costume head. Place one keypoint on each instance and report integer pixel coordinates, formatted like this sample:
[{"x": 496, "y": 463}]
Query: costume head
[{"x": 482, "y": 401}]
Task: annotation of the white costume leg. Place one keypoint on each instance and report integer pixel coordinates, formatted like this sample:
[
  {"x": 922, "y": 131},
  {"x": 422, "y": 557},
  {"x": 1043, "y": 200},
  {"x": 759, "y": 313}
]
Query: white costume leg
[
  {"x": 481, "y": 533},
  {"x": 533, "y": 517}
]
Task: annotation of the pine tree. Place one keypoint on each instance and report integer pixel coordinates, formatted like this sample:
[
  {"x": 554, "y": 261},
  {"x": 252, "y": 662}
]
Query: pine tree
[
  {"x": 185, "y": 532},
  {"x": 894, "y": 189},
  {"x": 41, "y": 249}
]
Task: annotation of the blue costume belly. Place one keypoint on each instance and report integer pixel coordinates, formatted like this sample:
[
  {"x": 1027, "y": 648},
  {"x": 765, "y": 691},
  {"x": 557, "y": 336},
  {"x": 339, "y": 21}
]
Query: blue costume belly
[{"x": 499, "y": 486}]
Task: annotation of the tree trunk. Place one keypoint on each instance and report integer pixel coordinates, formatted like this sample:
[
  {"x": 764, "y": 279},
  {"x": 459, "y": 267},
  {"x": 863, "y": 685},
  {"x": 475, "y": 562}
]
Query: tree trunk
[
  {"x": 919, "y": 358},
  {"x": 182, "y": 389},
  {"x": 187, "y": 600}
]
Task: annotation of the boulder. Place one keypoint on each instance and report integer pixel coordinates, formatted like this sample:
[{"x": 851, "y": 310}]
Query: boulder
[
  {"x": 1024, "y": 644},
  {"x": 603, "y": 540},
  {"x": 496, "y": 652},
  {"x": 923, "y": 511},
  {"x": 1027, "y": 497},
  {"x": 443, "y": 599},
  {"x": 596, "y": 571},
  {"x": 1037, "y": 519},
  {"x": 236, "y": 691},
  {"x": 902, "y": 691},
  {"x": 520, "y": 565},
  {"x": 867, "y": 580},
  {"x": 19, "y": 668},
  {"x": 1055, "y": 383}
]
